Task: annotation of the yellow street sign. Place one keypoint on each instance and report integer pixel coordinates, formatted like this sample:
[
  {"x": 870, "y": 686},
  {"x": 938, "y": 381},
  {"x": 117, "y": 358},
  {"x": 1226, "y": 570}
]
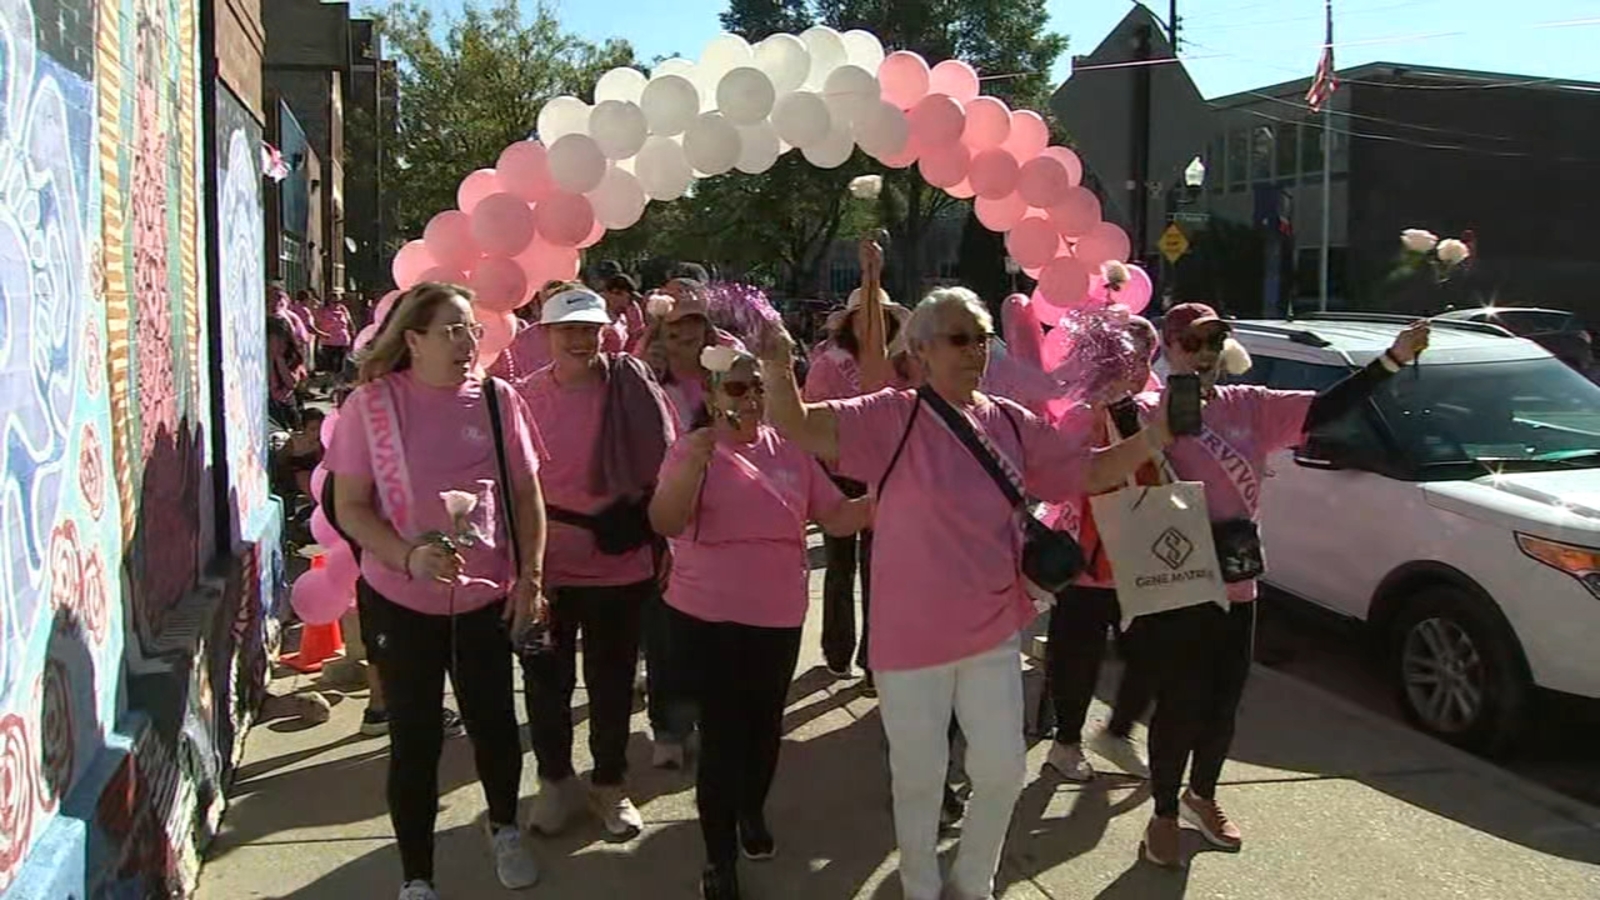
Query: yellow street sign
[{"x": 1174, "y": 243}]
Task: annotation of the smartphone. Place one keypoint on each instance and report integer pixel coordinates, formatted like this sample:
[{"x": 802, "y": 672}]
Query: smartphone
[
  {"x": 1183, "y": 404},
  {"x": 1125, "y": 415}
]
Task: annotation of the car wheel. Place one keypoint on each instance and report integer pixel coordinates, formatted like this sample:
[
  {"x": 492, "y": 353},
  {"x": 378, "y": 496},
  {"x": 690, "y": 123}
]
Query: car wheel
[{"x": 1458, "y": 671}]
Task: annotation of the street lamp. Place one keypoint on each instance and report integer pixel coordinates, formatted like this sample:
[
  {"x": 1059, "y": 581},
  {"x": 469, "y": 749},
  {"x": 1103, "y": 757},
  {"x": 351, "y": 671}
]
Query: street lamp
[{"x": 1195, "y": 175}]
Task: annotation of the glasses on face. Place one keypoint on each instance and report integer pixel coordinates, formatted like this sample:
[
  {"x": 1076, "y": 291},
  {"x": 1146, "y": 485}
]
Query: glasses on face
[
  {"x": 1211, "y": 340},
  {"x": 738, "y": 390},
  {"x": 964, "y": 339},
  {"x": 461, "y": 331}
]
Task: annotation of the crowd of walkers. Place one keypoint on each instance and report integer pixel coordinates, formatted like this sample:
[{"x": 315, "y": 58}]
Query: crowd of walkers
[{"x": 634, "y": 478}]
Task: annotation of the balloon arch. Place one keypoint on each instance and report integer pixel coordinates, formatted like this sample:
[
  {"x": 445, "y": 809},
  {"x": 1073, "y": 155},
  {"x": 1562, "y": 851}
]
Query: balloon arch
[{"x": 595, "y": 168}]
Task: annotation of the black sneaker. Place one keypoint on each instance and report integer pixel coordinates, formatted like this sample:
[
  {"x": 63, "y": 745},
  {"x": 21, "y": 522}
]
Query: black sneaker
[
  {"x": 869, "y": 687},
  {"x": 375, "y": 722},
  {"x": 719, "y": 883},
  {"x": 755, "y": 841},
  {"x": 452, "y": 724}
]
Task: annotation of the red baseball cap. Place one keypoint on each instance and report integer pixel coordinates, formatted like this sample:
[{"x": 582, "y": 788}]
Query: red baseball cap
[{"x": 1184, "y": 316}]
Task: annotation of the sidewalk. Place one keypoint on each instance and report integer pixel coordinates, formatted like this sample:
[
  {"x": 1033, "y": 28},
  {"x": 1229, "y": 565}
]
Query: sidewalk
[{"x": 1336, "y": 803}]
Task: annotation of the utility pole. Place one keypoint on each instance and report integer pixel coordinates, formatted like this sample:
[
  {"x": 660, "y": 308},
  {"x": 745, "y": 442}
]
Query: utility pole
[
  {"x": 1172, "y": 27},
  {"x": 1139, "y": 183},
  {"x": 1327, "y": 167}
]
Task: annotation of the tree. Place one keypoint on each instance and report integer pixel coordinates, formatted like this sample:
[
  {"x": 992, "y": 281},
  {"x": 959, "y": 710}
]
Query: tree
[{"x": 468, "y": 86}]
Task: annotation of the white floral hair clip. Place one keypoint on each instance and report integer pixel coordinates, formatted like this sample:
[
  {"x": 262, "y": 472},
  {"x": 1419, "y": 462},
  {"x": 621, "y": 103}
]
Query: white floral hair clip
[
  {"x": 659, "y": 305},
  {"x": 718, "y": 359},
  {"x": 1115, "y": 274}
]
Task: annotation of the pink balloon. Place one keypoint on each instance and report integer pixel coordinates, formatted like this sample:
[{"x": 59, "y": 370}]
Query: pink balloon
[
  {"x": 988, "y": 123},
  {"x": 322, "y": 531},
  {"x": 524, "y": 171},
  {"x": 409, "y": 264},
  {"x": 499, "y": 284},
  {"x": 937, "y": 121},
  {"x": 1068, "y": 159},
  {"x": 317, "y": 600},
  {"x": 994, "y": 174},
  {"x": 1102, "y": 243},
  {"x": 564, "y": 219},
  {"x": 449, "y": 239},
  {"x": 1064, "y": 283},
  {"x": 1002, "y": 214},
  {"x": 1033, "y": 242},
  {"x": 595, "y": 234},
  {"x": 962, "y": 190},
  {"x": 945, "y": 166},
  {"x": 319, "y": 480},
  {"x": 1043, "y": 181},
  {"x": 343, "y": 570},
  {"x": 907, "y": 155},
  {"x": 904, "y": 78},
  {"x": 954, "y": 78},
  {"x": 445, "y": 275},
  {"x": 475, "y": 187},
  {"x": 1136, "y": 293},
  {"x": 1029, "y": 135},
  {"x": 365, "y": 336},
  {"x": 1056, "y": 344},
  {"x": 1077, "y": 212},
  {"x": 381, "y": 311},
  {"x": 1019, "y": 323},
  {"x": 329, "y": 422},
  {"x": 498, "y": 330},
  {"x": 545, "y": 262},
  {"x": 502, "y": 225}
]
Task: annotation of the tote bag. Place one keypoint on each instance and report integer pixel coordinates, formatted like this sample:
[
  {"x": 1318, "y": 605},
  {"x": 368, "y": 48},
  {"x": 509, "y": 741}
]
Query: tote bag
[{"x": 1159, "y": 541}]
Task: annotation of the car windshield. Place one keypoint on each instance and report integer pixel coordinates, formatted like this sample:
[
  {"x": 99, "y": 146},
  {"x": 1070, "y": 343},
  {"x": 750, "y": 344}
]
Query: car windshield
[
  {"x": 1519, "y": 414},
  {"x": 1532, "y": 321}
]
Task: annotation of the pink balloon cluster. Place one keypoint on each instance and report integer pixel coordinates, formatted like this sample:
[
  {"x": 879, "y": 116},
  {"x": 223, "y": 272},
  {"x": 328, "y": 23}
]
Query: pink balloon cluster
[{"x": 327, "y": 590}]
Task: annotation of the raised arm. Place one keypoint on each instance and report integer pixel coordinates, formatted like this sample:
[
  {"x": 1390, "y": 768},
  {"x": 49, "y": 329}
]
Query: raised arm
[
  {"x": 813, "y": 427},
  {"x": 876, "y": 370}
]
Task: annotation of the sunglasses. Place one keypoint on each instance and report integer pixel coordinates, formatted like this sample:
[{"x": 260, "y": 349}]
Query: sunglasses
[
  {"x": 1213, "y": 341},
  {"x": 964, "y": 339},
  {"x": 737, "y": 390}
]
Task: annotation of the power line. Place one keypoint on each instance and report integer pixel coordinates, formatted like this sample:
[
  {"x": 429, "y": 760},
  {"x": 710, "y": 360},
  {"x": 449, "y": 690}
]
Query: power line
[
  {"x": 1343, "y": 15},
  {"x": 1303, "y": 107},
  {"x": 1393, "y": 139}
]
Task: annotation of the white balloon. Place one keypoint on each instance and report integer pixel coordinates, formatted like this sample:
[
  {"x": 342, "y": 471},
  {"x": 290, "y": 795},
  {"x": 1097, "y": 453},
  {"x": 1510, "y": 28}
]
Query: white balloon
[
  {"x": 833, "y": 151},
  {"x": 851, "y": 92},
  {"x": 670, "y": 104},
  {"x": 711, "y": 144},
  {"x": 619, "y": 201},
  {"x": 576, "y": 163},
  {"x": 883, "y": 132},
  {"x": 724, "y": 53},
  {"x": 619, "y": 128},
  {"x": 662, "y": 170},
  {"x": 863, "y": 49},
  {"x": 802, "y": 119},
  {"x": 758, "y": 148},
  {"x": 560, "y": 117},
  {"x": 786, "y": 61},
  {"x": 745, "y": 95},
  {"x": 674, "y": 66},
  {"x": 827, "y": 54},
  {"x": 626, "y": 85}
]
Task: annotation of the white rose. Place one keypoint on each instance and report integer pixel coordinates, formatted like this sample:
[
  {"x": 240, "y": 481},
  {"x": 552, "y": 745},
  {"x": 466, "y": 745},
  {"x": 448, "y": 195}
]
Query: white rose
[
  {"x": 867, "y": 187},
  {"x": 1452, "y": 252},
  {"x": 459, "y": 504},
  {"x": 1418, "y": 241},
  {"x": 659, "y": 305},
  {"x": 718, "y": 358}
]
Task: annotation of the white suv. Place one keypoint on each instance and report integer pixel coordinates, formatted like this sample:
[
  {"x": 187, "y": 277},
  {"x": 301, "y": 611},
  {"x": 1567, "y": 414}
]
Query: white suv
[{"x": 1457, "y": 513}]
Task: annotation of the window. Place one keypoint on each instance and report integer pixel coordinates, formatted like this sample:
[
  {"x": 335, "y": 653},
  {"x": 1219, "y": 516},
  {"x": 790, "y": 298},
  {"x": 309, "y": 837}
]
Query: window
[
  {"x": 1341, "y": 150},
  {"x": 1259, "y": 372},
  {"x": 1215, "y": 171},
  {"x": 1238, "y": 159},
  {"x": 1311, "y": 148},
  {"x": 1288, "y": 151},
  {"x": 1294, "y": 375},
  {"x": 1262, "y": 144}
]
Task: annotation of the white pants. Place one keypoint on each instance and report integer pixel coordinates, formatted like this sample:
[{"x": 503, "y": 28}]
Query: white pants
[{"x": 985, "y": 693}]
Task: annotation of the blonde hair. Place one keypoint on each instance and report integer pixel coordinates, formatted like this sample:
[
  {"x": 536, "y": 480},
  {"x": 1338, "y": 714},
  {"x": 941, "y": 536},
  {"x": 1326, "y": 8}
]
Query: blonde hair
[{"x": 413, "y": 311}]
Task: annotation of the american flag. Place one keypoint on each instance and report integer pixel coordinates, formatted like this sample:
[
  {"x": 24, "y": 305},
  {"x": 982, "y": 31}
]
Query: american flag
[{"x": 1327, "y": 80}]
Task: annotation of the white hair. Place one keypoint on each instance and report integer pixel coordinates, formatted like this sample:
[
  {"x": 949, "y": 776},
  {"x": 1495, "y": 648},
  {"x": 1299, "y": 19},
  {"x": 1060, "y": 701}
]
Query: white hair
[{"x": 934, "y": 308}]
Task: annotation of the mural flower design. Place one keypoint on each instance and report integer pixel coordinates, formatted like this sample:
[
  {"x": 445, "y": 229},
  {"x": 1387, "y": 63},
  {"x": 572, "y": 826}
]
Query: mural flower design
[
  {"x": 92, "y": 472},
  {"x": 94, "y": 360},
  {"x": 92, "y": 604},
  {"x": 66, "y": 567},
  {"x": 55, "y": 733},
  {"x": 17, "y": 786}
]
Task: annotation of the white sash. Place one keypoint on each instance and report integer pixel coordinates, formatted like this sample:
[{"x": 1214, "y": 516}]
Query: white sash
[
  {"x": 390, "y": 472},
  {"x": 754, "y": 473},
  {"x": 1241, "y": 474}
]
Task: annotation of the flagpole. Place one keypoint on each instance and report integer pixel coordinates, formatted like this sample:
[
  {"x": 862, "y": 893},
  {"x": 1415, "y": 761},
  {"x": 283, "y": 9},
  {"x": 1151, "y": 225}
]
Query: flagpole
[{"x": 1327, "y": 169}]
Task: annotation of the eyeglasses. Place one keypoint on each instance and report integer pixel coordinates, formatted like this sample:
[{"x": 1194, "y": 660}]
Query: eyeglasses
[
  {"x": 964, "y": 339},
  {"x": 1213, "y": 341},
  {"x": 459, "y": 331},
  {"x": 738, "y": 389}
]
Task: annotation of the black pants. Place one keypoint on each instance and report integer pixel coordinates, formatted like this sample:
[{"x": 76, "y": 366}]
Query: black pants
[
  {"x": 1077, "y": 647},
  {"x": 741, "y": 676},
  {"x": 609, "y": 619},
  {"x": 671, "y": 700},
  {"x": 844, "y": 556},
  {"x": 1199, "y": 659},
  {"x": 330, "y": 360},
  {"x": 413, "y": 652}
]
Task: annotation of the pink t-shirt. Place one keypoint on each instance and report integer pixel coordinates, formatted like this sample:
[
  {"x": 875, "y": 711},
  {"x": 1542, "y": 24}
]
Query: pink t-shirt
[
  {"x": 1012, "y": 377},
  {"x": 946, "y": 545},
  {"x": 743, "y": 557},
  {"x": 614, "y": 337},
  {"x": 334, "y": 320},
  {"x": 529, "y": 352},
  {"x": 685, "y": 395},
  {"x": 571, "y": 417},
  {"x": 449, "y": 446},
  {"x": 834, "y": 374}
]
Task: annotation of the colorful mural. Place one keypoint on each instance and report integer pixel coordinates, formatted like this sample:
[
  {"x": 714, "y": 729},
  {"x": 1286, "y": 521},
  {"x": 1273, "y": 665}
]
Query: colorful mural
[{"x": 243, "y": 284}]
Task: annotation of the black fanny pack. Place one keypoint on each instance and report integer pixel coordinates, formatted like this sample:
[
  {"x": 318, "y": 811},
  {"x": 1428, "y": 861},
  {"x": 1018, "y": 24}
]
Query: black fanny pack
[
  {"x": 1239, "y": 549},
  {"x": 620, "y": 528}
]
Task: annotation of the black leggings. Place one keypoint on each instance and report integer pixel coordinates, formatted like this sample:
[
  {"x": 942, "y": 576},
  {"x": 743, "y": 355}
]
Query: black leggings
[
  {"x": 844, "y": 556},
  {"x": 1077, "y": 647},
  {"x": 741, "y": 675},
  {"x": 1199, "y": 659},
  {"x": 413, "y": 652},
  {"x": 609, "y": 619}
]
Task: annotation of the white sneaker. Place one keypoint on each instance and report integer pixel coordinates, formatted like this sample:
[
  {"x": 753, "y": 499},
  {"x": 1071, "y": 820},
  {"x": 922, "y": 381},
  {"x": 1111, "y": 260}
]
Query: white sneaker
[
  {"x": 1068, "y": 760},
  {"x": 554, "y": 805},
  {"x": 667, "y": 755},
  {"x": 418, "y": 890},
  {"x": 512, "y": 861},
  {"x": 617, "y": 813},
  {"x": 1121, "y": 752}
]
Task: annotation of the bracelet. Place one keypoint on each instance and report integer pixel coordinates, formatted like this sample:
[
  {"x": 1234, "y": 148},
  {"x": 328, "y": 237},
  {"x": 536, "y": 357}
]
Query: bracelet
[
  {"x": 1390, "y": 363},
  {"x": 407, "y": 564}
]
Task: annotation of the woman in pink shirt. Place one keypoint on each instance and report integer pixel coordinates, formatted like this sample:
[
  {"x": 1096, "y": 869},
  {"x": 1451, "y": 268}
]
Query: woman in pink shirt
[
  {"x": 333, "y": 318},
  {"x": 627, "y": 310},
  {"x": 949, "y": 601},
  {"x": 680, "y": 328},
  {"x": 734, "y": 500},
  {"x": 421, "y": 489},
  {"x": 1200, "y": 656},
  {"x": 609, "y": 427}
]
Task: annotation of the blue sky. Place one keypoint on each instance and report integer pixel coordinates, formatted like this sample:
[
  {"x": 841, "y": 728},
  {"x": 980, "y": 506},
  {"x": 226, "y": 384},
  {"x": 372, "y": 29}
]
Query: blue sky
[{"x": 1237, "y": 44}]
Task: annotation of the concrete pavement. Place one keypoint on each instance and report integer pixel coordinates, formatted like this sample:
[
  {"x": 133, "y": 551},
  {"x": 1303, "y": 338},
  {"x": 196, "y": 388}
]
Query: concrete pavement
[{"x": 1336, "y": 803}]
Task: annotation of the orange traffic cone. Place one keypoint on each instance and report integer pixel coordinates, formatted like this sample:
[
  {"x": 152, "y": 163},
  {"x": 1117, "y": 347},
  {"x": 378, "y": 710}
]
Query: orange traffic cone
[{"x": 318, "y": 644}]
